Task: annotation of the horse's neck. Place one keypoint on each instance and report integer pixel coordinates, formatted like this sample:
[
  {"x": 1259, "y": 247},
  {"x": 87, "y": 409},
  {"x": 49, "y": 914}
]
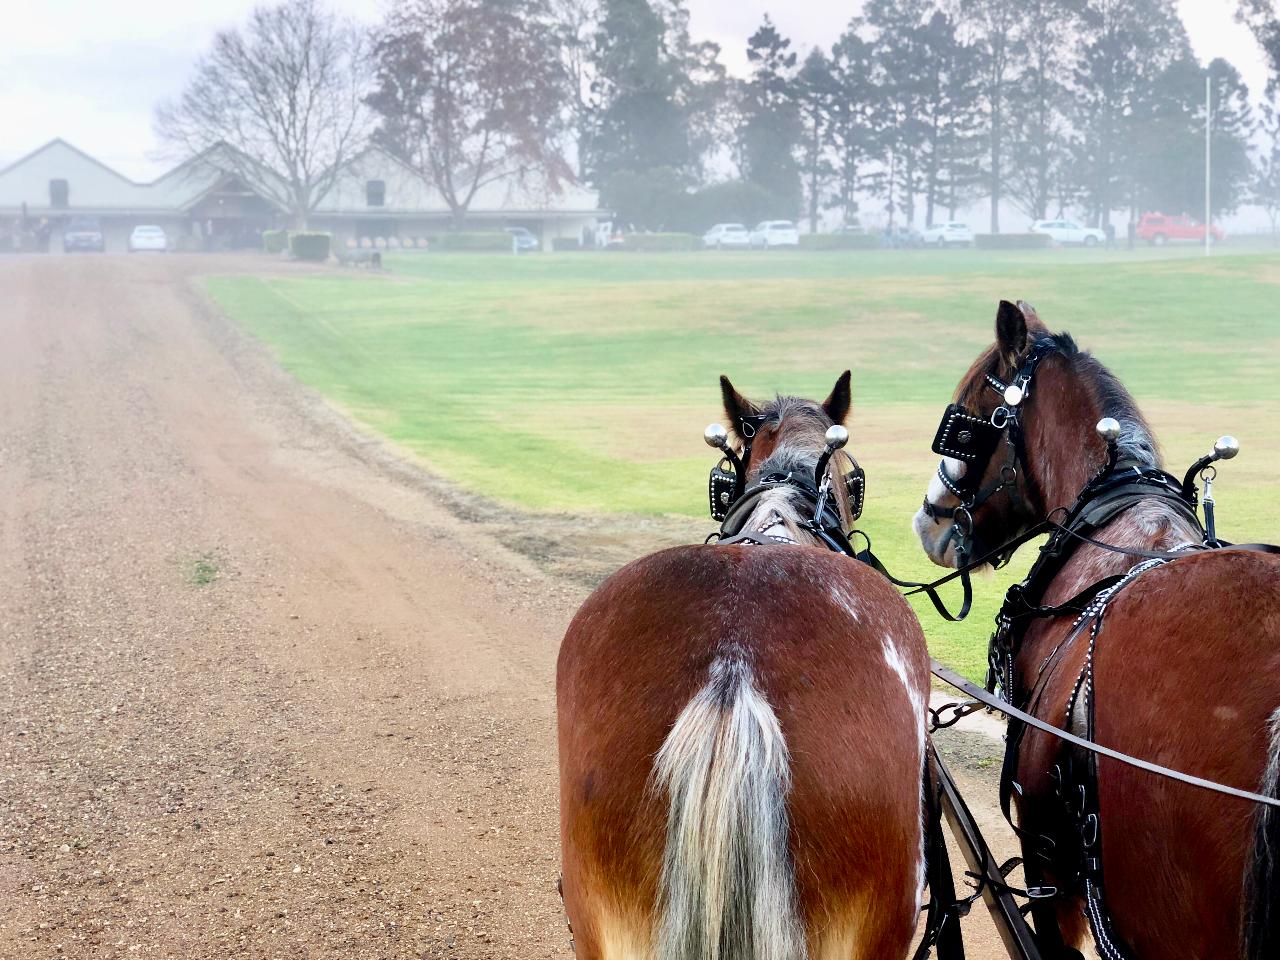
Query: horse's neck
[{"x": 1147, "y": 525}]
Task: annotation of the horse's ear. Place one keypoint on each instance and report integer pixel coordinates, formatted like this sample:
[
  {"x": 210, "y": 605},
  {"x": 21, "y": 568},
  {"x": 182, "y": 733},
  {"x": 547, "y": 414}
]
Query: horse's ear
[
  {"x": 1011, "y": 332},
  {"x": 1035, "y": 325},
  {"x": 736, "y": 406},
  {"x": 837, "y": 405}
]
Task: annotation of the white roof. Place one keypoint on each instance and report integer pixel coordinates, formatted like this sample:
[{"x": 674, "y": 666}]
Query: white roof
[{"x": 95, "y": 188}]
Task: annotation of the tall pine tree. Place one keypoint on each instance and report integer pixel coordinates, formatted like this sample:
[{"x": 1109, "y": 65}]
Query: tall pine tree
[{"x": 771, "y": 129}]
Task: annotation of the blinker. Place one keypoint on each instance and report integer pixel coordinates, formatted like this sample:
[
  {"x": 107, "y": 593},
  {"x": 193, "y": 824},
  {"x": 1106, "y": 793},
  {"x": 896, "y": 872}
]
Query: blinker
[{"x": 964, "y": 437}]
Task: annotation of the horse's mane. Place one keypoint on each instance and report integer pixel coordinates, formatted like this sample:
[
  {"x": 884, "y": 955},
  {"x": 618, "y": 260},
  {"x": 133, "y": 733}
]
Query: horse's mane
[{"x": 1136, "y": 441}]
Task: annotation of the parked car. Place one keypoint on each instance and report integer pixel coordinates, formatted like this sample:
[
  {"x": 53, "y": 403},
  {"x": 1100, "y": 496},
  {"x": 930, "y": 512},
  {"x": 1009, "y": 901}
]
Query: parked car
[
  {"x": 83, "y": 233},
  {"x": 148, "y": 238},
  {"x": 1158, "y": 229},
  {"x": 731, "y": 235},
  {"x": 949, "y": 234},
  {"x": 525, "y": 241},
  {"x": 1069, "y": 232},
  {"x": 901, "y": 238},
  {"x": 775, "y": 233}
]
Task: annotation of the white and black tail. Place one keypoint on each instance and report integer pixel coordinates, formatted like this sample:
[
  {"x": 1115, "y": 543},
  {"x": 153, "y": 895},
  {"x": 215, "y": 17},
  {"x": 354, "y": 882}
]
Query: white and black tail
[
  {"x": 728, "y": 888},
  {"x": 1262, "y": 879}
]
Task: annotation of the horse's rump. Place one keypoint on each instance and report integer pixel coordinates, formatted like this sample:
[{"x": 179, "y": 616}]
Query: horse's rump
[
  {"x": 829, "y": 650},
  {"x": 1187, "y": 674}
]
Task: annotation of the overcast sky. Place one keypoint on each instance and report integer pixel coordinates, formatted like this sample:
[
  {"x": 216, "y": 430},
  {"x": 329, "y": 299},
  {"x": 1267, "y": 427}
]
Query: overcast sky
[{"x": 91, "y": 71}]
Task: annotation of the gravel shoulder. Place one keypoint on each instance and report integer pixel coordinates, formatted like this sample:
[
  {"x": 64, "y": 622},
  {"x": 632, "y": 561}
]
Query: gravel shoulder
[{"x": 266, "y": 689}]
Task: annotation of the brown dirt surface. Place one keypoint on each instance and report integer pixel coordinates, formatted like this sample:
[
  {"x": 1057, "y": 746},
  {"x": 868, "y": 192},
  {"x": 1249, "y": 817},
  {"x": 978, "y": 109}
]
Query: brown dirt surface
[{"x": 266, "y": 689}]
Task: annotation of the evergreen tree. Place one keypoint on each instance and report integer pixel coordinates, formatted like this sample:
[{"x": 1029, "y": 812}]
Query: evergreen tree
[
  {"x": 771, "y": 129},
  {"x": 851, "y": 126},
  {"x": 1263, "y": 19},
  {"x": 998, "y": 27},
  {"x": 1265, "y": 186},
  {"x": 1168, "y": 141},
  {"x": 1122, "y": 48},
  {"x": 1038, "y": 98},
  {"x": 815, "y": 91},
  {"x": 951, "y": 113},
  {"x": 899, "y": 73},
  {"x": 641, "y": 124}
]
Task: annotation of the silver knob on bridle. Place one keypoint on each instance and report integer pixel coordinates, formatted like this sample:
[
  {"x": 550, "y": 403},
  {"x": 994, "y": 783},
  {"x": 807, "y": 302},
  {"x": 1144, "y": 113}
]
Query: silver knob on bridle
[
  {"x": 1226, "y": 448},
  {"x": 716, "y": 436},
  {"x": 837, "y": 436},
  {"x": 1108, "y": 429}
]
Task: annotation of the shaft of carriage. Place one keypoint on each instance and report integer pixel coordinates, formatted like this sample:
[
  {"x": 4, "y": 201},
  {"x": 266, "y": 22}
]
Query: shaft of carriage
[{"x": 1014, "y": 930}]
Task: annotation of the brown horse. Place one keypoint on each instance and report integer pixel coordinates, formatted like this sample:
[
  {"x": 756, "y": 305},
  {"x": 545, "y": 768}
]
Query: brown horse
[
  {"x": 1185, "y": 665},
  {"x": 742, "y": 738}
]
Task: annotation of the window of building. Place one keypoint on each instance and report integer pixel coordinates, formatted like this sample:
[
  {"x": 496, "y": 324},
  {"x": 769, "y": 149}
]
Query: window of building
[
  {"x": 59, "y": 194},
  {"x": 375, "y": 192}
]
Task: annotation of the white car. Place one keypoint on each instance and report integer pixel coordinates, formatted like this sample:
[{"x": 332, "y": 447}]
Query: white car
[
  {"x": 729, "y": 235},
  {"x": 775, "y": 233},
  {"x": 1068, "y": 231},
  {"x": 148, "y": 238},
  {"x": 950, "y": 234}
]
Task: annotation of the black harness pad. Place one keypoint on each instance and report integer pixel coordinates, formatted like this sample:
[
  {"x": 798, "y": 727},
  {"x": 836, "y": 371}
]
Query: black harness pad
[{"x": 964, "y": 437}]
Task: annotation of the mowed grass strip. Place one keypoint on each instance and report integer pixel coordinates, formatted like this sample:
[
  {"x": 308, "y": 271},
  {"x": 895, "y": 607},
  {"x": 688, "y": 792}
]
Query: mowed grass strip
[{"x": 582, "y": 382}]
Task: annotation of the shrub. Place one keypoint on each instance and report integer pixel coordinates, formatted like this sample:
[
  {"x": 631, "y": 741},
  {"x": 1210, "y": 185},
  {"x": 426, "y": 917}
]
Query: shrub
[
  {"x": 653, "y": 199},
  {"x": 310, "y": 246},
  {"x": 275, "y": 241},
  {"x": 838, "y": 241},
  {"x": 659, "y": 242},
  {"x": 486, "y": 242},
  {"x": 566, "y": 243},
  {"x": 1011, "y": 241},
  {"x": 735, "y": 201}
]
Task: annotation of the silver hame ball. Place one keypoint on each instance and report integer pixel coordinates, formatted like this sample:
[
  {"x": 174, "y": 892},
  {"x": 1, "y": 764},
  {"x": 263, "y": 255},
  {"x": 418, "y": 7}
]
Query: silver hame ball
[
  {"x": 1108, "y": 429},
  {"x": 837, "y": 436},
  {"x": 1226, "y": 447},
  {"x": 715, "y": 435}
]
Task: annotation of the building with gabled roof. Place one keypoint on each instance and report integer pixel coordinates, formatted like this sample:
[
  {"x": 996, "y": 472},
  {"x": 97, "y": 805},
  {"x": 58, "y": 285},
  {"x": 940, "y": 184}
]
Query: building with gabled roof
[{"x": 219, "y": 200}]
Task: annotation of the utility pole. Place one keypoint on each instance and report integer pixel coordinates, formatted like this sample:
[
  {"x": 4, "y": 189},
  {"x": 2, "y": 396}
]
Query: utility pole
[{"x": 1208, "y": 127}]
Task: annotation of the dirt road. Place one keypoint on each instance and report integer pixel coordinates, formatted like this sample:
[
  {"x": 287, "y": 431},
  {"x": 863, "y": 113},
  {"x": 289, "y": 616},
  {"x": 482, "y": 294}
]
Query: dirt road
[{"x": 262, "y": 693}]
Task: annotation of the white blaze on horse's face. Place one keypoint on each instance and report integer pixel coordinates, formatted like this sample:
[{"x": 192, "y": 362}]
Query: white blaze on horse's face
[{"x": 933, "y": 533}]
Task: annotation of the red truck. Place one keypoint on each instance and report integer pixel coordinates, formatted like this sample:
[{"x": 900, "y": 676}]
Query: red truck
[{"x": 1158, "y": 229}]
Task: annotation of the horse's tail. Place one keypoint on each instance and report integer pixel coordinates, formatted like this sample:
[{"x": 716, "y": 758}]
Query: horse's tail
[
  {"x": 1262, "y": 877},
  {"x": 728, "y": 889}
]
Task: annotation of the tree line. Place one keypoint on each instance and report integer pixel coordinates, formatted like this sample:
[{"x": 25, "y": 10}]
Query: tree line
[{"x": 918, "y": 109}]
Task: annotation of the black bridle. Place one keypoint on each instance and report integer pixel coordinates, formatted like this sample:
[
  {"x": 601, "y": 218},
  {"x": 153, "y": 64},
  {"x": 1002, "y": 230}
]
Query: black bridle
[
  {"x": 731, "y": 501},
  {"x": 973, "y": 440}
]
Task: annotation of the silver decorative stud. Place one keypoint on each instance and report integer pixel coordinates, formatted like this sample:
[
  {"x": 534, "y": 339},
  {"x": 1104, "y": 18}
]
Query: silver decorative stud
[
  {"x": 716, "y": 436},
  {"x": 837, "y": 437},
  {"x": 1108, "y": 429},
  {"x": 1012, "y": 395},
  {"x": 1226, "y": 447}
]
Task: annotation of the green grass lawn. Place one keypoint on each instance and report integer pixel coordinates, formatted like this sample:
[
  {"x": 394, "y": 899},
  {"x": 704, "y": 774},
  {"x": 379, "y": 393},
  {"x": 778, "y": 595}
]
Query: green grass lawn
[{"x": 582, "y": 382}]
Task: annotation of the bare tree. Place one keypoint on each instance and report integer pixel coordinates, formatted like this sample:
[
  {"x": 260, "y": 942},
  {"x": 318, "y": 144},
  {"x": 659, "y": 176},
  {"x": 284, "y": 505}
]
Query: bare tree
[
  {"x": 470, "y": 92},
  {"x": 576, "y": 22},
  {"x": 285, "y": 95}
]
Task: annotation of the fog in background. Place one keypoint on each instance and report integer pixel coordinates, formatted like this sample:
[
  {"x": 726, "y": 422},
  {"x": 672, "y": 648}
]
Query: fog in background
[{"x": 95, "y": 73}]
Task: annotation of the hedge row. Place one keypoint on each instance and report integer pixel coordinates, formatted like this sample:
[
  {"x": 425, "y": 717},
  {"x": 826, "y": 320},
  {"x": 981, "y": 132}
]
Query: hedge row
[
  {"x": 275, "y": 241},
  {"x": 475, "y": 242},
  {"x": 565, "y": 243},
  {"x": 1011, "y": 241},
  {"x": 310, "y": 246},
  {"x": 660, "y": 242},
  {"x": 838, "y": 241}
]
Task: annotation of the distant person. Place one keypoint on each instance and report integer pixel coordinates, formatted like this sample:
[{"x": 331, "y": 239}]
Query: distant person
[{"x": 1110, "y": 230}]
